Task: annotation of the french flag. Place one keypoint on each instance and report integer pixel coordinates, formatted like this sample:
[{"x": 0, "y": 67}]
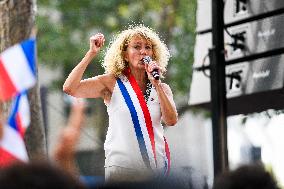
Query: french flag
[
  {"x": 17, "y": 69},
  {"x": 12, "y": 146}
]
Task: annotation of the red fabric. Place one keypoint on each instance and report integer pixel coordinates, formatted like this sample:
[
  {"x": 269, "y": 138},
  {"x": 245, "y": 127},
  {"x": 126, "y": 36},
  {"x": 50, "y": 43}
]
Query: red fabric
[
  {"x": 6, "y": 158},
  {"x": 7, "y": 88}
]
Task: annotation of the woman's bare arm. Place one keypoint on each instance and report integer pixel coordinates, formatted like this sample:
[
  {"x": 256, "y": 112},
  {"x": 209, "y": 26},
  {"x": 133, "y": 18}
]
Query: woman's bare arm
[
  {"x": 64, "y": 153},
  {"x": 168, "y": 108},
  {"x": 88, "y": 88},
  {"x": 167, "y": 104}
]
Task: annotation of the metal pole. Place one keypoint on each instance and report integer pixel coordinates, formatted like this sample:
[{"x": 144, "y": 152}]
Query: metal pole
[{"x": 218, "y": 90}]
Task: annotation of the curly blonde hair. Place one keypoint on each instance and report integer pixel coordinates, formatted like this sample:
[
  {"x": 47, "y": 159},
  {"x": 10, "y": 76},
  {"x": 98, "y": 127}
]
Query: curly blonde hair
[{"x": 114, "y": 62}]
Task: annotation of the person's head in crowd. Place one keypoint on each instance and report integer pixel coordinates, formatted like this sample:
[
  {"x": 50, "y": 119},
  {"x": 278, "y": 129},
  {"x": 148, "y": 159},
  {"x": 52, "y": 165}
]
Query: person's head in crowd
[
  {"x": 246, "y": 177},
  {"x": 37, "y": 175},
  {"x": 154, "y": 183}
]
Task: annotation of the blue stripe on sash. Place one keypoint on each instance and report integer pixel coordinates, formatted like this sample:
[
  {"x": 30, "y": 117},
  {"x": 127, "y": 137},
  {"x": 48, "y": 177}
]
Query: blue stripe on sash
[{"x": 135, "y": 121}]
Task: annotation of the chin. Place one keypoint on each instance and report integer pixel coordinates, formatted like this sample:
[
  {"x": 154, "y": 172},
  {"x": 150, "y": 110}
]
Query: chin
[{"x": 140, "y": 65}]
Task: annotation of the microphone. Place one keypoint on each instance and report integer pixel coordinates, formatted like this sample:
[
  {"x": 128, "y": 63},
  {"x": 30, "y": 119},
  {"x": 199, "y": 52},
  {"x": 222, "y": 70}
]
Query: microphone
[{"x": 155, "y": 72}]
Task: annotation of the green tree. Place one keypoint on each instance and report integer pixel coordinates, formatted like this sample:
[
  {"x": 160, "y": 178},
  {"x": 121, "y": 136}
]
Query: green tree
[
  {"x": 64, "y": 40},
  {"x": 65, "y": 26}
]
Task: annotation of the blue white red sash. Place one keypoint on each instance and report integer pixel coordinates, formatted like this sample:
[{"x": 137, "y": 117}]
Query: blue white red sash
[{"x": 142, "y": 122}]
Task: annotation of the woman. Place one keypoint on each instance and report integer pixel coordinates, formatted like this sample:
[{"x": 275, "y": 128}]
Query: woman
[{"x": 135, "y": 147}]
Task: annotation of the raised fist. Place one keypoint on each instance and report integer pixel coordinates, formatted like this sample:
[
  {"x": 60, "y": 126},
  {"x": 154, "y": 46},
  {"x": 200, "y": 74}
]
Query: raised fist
[{"x": 96, "y": 42}]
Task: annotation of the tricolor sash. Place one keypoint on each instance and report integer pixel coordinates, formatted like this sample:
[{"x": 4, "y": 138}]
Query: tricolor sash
[{"x": 142, "y": 122}]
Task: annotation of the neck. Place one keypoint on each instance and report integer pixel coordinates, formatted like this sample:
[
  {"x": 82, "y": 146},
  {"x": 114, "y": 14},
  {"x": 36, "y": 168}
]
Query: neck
[{"x": 140, "y": 77}]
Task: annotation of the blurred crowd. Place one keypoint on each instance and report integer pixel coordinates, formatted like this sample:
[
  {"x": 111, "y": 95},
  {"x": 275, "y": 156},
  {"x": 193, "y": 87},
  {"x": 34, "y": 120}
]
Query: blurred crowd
[{"x": 61, "y": 170}]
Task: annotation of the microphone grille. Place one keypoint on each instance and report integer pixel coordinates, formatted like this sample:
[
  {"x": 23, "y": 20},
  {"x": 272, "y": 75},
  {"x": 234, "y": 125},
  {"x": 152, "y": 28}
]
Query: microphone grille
[{"x": 147, "y": 59}]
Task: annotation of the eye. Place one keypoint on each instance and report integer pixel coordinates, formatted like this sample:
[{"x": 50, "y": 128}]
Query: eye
[
  {"x": 137, "y": 47},
  {"x": 148, "y": 47}
]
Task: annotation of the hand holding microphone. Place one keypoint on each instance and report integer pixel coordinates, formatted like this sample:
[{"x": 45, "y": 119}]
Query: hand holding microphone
[{"x": 155, "y": 72}]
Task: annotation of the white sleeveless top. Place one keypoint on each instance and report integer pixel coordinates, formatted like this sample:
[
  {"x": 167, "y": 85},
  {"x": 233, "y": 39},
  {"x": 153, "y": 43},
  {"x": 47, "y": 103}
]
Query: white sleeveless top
[{"x": 121, "y": 145}]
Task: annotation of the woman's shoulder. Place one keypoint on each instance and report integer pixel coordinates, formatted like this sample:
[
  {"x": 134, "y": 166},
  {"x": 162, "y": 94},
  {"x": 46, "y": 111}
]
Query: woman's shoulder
[
  {"x": 108, "y": 80},
  {"x": 166, "y": 88},
  {"x": 106, "y": 77}
]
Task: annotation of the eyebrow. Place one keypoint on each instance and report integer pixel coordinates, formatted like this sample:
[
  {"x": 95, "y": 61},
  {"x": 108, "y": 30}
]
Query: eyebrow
[{"x": 141, "y": 43}]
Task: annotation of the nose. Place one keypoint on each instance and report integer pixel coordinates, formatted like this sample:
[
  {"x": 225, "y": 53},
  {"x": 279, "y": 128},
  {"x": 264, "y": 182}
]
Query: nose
[{"x": 143, "y": 51}]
